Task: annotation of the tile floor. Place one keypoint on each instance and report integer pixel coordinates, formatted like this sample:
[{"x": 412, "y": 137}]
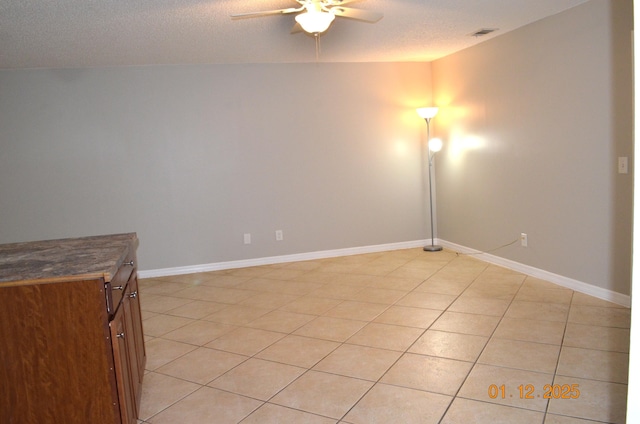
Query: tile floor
[{"x": 395, "y": 337}]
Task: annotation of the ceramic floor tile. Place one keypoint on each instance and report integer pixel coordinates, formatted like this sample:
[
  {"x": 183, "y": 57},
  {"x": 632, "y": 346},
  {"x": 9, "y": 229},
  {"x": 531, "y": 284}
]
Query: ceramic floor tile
[
  {"x": 197, "y": 309},
  {"x": 253, "y": 271},
  {"x": 284, "y": 322},
  {"x": 269, "y": 300},
  {"x": 356, "y": 310},
  {"x": 300, "y": 351},
  {"x": 528, "y": 330},
  {"x": 162, "y": 288},
  {"x": 597, "y": 400},
  {"x": 216, "y": 294},
  {"x": 417, "y": 274},
  {"x": 605, "y": 317},
  {"x": 160, "y": 304},
  {"x": 582, "y": 299},
  {"x": 491, "y": 291},
  {"x": 435, "y": 301},
  {"x": 311, "y": 305},
  {"x": 220, "y": 280},
  {"x": 337, "y": 291},
  {"x": 537, "y": 283},
  {"x": 473, "y": 305},
  {"x": 198, "y": 332},
  {"x": 386, "y": 336},
  {"x": 521, "y": 355},
  {"x": 208, "y": 405},
  {"x": 237, "y": 314},
  {"x": 194, "y": 279},
  {"x": 464, "y": 347},
  {"x": 528, "y": 294},
  {"x": 390, "y": 404},
  {"x": 323, "y": 394},
  {"x": 328, "y": 328},
  {"x": 472, "y": 411},
  {"x": 284, "y": 274},
  {"x": 257, "y": 378},
  {"x": 522, "y": 389},
  {"x": 147, "y": 314},
  {"x": 245, "y": 341},
  {"x": 596, "y": 337},
  {"x": 439, "y": 375},
  {"x": 309, "y": 265},
  {"x": 201, "y": 365},
  {"x": 276, "y": 414},
  {"x": 408, "y": 316},
  {"x": 162, "y": 324},
  {"x": 381, "y": 269},
  {"x": 538, "y": 311},
  {"x": 161, "y": 391},
  {"x": 479, "y": 325},
  {"x": 561, "y": 419},
  {"x": 383, "y": 296},
  {"x": 594, "y": 364},
  {"x": 395, "y": 281},
  {"x": 162, "y": 351},
  {"x": 363, "y": 362},
  {"x": 438, "y": 286}
]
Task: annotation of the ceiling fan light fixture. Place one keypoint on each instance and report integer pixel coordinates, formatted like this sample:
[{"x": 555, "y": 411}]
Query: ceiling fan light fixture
[{"x": 315, "y": 22}]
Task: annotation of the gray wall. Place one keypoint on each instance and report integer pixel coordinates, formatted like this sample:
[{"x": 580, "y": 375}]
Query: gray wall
[
  {"x": 192, "y": 157},
  {"x": 533, "y": 123}
]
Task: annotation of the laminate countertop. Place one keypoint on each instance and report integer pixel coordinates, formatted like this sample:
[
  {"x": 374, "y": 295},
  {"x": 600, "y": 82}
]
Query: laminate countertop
[{"x": 71, "y": 259}]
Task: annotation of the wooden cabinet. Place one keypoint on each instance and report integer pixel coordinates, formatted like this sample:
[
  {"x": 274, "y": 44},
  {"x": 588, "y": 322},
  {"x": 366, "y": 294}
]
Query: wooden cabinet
[
  {"x": 71, "y": 339},
  {"x": 128, "y": 351}
]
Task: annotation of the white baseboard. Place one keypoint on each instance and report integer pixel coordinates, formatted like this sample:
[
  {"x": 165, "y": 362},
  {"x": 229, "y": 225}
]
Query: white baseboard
[
  {"x": 560, "y": 280},
  {"x": 324, "y": 254},
  {"x": 579, "y": 286}
]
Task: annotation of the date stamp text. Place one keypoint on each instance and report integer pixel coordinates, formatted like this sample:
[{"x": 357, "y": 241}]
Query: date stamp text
[{"x": 528, "y": 391}]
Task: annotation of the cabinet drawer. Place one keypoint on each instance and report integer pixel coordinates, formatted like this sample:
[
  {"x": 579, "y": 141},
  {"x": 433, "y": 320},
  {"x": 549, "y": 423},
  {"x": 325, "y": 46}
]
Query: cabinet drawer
[{"x": 115, "y": 288}]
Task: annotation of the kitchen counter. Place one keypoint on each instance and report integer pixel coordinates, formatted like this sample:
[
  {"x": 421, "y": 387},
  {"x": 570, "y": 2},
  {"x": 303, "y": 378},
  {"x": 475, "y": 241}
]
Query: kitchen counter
[
  {"x": 72, "y": 347},
  {"x": 70, "y": 259}
]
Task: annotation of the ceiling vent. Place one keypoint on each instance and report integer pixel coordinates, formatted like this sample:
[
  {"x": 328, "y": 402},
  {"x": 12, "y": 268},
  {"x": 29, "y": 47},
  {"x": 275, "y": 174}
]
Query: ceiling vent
[{"x": 482, "y": 32}]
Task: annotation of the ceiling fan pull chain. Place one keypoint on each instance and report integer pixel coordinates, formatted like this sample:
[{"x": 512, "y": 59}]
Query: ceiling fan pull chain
[{"x": 317, "y": 37}]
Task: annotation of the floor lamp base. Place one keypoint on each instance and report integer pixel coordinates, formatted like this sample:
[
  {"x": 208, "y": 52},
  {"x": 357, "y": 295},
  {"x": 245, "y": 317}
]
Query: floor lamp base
[{"x": 432, "y": 248}]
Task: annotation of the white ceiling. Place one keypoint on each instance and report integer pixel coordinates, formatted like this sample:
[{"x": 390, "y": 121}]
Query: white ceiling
[{"x": 96, "y": 33}]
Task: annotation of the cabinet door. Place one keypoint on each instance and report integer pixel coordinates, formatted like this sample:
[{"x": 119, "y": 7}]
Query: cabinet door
[
  {"x": 121, "y": 348},
  {"x": 136, "y": 318},
  {"x": 131, "y": 334}
]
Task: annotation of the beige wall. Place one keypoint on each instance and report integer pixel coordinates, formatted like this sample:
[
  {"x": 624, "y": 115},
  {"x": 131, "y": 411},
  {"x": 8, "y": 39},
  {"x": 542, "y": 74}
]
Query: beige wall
[
  {"x": 193, "y": 157},
  {"x": 533, "y": 123}
]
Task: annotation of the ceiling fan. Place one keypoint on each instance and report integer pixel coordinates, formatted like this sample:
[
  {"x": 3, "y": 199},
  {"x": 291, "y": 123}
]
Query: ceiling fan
[{"x": 317, "y": 15}]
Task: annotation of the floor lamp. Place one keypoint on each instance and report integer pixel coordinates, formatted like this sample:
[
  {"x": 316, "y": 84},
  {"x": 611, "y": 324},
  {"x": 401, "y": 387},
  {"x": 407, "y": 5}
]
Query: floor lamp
[{"x": 434, "y": 146}]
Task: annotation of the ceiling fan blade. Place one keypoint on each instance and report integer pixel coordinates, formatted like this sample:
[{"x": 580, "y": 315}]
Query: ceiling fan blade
[
  {"x": 359, "y": 14},
  {"x": 267, "y": 12}
]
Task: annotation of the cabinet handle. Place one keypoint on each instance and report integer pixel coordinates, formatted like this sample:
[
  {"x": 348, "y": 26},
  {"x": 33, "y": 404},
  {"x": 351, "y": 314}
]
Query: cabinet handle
[
  {"x": 130, "y": 263},
  {"x": 133, "y": 295},
  {"x": 120, "y": 335},
  {"x": 118, "y": 287}
]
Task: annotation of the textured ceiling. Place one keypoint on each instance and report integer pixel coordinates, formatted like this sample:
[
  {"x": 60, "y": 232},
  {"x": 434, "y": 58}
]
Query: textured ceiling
[{"x": 95, "y": 33}]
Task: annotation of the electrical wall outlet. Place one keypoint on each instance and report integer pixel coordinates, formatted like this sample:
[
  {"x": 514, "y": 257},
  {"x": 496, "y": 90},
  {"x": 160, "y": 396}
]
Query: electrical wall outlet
[
  {"x": 524, "y": 240},
  {"x": 247, "y": 238},
  {"x": 279, "y": 235}
]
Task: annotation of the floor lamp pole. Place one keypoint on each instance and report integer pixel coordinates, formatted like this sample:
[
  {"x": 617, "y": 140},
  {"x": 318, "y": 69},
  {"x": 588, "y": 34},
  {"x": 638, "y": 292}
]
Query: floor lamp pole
[{"x": 432, "y": 247}]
